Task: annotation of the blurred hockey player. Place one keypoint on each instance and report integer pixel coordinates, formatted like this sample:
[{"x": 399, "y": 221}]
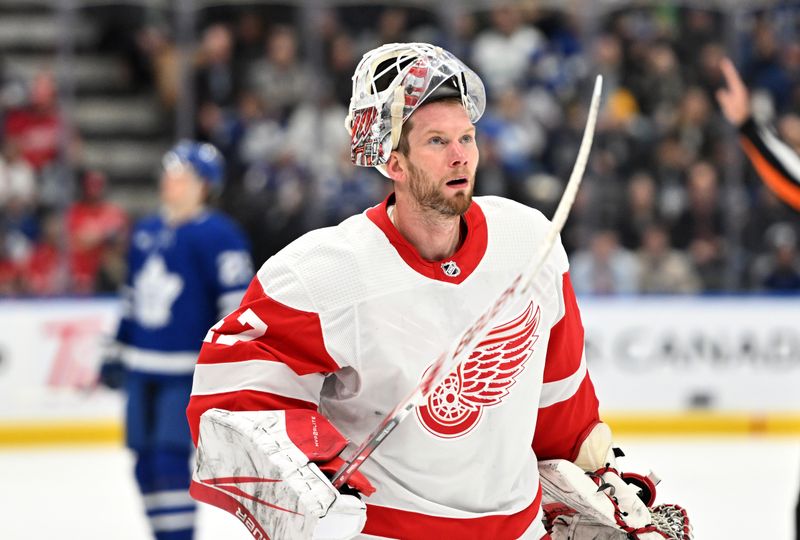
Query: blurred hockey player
[
  {"x": 776, "y": 162},
  {"x": 340, "y": 325},
  {"x": 187, "y": 267}
]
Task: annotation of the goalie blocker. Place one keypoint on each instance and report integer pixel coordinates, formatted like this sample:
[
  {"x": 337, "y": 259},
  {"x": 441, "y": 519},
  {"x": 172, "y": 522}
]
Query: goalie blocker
[{"x": 266, "y": 468}]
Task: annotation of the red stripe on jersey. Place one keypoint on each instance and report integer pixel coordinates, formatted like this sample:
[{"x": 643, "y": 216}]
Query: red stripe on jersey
[
  {"x": 264, "y": 329},
  {"x": 393, "y": 523},
  {"x": 565, "y": 348},
  {"x": 241, "y": 400},
  {"x": 562, "y": 427}
]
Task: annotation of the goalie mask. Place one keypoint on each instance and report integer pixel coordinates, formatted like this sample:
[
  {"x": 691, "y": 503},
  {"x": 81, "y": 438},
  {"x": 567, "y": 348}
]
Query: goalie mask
[{"x": 390, "y": 83}]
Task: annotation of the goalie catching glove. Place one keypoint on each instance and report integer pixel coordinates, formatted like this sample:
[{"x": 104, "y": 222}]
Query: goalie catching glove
[
  {"x": 260, "y": 466},
  {"x": 591, "y": 500}
]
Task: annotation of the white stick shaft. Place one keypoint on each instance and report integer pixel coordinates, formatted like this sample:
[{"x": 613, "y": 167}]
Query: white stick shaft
[{"x": 461, "y": 347}]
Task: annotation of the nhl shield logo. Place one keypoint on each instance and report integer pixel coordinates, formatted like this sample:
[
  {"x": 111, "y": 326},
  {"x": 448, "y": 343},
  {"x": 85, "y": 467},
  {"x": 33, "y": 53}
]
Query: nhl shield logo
[{"x": 451, "y": 269}]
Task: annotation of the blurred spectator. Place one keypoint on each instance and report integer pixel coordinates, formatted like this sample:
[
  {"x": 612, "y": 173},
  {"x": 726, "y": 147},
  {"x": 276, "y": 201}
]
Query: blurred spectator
[
  {"x": 700, "y": 228},
  {"x": 95, "y": 228},
  {"x": 765, "y": 70},
  {"x": 19, "y": 222},
  {"x": 314, "y": 134},
  {"x": 349, "y": 190},
  {"x": 9, "y": 267},
  {"x": 607, "y": 60},
  {"x": 391, "y": 27},
  {"x": 605, "y": 268},
  {"x": 341, "y": 66},
  {"x": 281, "y": 79},
  {"x": 492, "y": 179},
  {"x": 517, "y": 137},
  {"x": 397, "y": 25},
  {"x": 17, "y": 179},
  {"x": 249, "y": 42},
  {"x": 159, "y": 49},
  {"x": 696, "y": 129},
  {"x": 464, "y": 28},
  {"x": 779, "y": 269},
  {"x": 46, "y": 270},
  {"x": 662, "y": 269},
  {"x": 502, "y": 52},
  {"x": 273, "y": 205},
  {"x": 639, "y": 211},
  {"x": 19, "y": 217},
  {"x": 216, "y": 79},
  {"x": 669, "y": 168},
  {"x": 224, "y": 128},
  {"x": 263, "y": 134},
  {"x": 698, "y": 26},
  {"x": 767, "y": 210},
  {"x": 112, "y": 268},
  {"x": 12, "y": 88},
  {"x": 707, "y": 74},
  {"x": 37, "y": 127},
  {"x": 662, "y": 86}
]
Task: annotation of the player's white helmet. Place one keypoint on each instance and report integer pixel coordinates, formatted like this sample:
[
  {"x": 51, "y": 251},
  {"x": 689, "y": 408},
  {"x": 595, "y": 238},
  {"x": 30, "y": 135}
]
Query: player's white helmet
[{"x": 390, "y": 83}]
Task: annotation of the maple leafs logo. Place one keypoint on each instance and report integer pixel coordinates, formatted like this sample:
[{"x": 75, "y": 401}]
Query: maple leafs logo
[
  {"x": 155, "y": 289},
  {"x": 455, "y": 407}
]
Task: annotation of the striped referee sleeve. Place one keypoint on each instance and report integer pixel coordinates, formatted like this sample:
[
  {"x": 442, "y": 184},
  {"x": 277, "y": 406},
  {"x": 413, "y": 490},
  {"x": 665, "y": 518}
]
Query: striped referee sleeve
[{"x": 776, "y": 163}]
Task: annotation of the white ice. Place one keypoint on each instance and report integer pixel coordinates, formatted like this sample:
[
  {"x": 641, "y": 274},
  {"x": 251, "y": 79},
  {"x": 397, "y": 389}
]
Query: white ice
[{"x": 733, "y": 488}]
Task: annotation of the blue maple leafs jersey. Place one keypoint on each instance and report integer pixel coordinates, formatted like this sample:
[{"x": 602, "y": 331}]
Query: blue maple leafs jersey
[{"x": 181, "y": 280}]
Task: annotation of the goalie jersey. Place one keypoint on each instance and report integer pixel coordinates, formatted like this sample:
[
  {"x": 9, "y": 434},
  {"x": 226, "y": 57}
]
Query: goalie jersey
[
  {"x": 180, "y": 280},
  {"x": 347, "y": 319}
]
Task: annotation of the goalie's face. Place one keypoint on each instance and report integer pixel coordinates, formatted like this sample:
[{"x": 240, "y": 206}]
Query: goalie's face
[{"x": 438, "y": 170}]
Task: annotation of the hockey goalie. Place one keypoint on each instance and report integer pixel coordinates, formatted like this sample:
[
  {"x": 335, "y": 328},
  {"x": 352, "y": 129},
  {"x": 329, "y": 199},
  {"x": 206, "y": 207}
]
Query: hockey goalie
[{"x": 341, "y": 326}]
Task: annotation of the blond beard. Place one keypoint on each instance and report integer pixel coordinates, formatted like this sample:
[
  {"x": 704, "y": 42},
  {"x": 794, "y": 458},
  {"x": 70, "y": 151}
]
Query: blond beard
[{"x": 428, "y": 195}]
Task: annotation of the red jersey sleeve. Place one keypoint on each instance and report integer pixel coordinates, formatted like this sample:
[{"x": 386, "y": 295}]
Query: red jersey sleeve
[
  {"x": 568, "y": 407},
  {"x": 264, "y": 355}
]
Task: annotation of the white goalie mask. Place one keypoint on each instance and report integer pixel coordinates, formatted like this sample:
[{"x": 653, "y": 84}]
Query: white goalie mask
[{"x": 390, "y": 83}]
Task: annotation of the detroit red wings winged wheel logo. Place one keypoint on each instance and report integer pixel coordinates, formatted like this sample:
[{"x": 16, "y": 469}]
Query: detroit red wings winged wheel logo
[{"x": 455, "y": 407}]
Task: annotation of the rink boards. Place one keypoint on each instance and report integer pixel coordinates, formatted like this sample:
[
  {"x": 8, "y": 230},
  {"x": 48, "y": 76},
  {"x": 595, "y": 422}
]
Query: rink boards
[{"x": 661, "y": 365}]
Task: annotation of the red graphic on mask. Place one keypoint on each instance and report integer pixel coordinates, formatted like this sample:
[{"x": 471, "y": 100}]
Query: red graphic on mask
[{"x": 364, "y": 148}]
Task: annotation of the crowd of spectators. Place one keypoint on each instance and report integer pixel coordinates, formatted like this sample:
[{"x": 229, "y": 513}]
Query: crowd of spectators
[
  {"x": 53, "y": 240},
  {"x": 669, "y": 205}
]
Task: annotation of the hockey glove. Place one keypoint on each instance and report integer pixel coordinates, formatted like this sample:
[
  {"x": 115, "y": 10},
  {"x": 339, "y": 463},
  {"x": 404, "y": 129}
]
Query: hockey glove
[
  {"x": 260, "y": 467},
  {"x": 112, "y": 373},
  {"x": 590, "y": 499}
]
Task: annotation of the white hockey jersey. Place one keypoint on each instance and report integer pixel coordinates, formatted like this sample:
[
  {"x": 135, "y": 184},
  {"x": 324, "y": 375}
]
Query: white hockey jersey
[{"x": 347, "y": 319}]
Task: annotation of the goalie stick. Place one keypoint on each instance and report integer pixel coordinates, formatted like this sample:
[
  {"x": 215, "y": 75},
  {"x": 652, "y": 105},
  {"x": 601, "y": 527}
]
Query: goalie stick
[{"x": 463, "y": 345}]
